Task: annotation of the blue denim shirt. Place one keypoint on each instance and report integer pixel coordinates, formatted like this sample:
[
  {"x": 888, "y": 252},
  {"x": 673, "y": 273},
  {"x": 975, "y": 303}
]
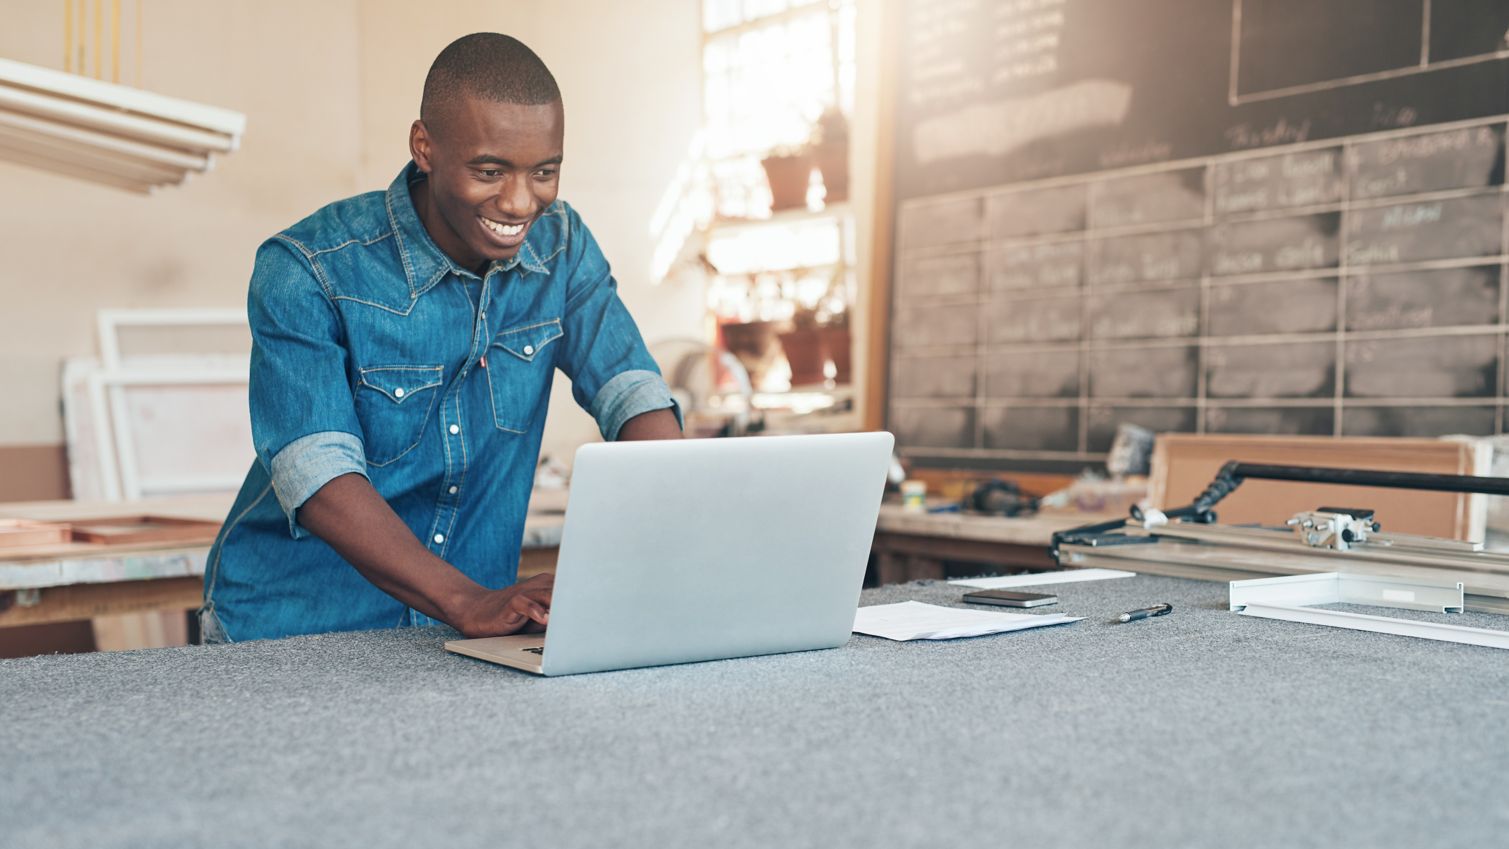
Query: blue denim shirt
[{"x": 375, "y": 354}]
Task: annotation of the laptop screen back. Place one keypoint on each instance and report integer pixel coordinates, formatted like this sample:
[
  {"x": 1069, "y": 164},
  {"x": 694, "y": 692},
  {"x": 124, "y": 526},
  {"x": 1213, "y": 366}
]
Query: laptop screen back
[{"x": 702, "y": 549}]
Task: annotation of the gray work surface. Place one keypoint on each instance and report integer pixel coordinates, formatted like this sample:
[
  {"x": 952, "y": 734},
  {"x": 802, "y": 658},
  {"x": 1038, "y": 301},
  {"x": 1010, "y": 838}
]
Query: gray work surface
[{"x": 1201, "y": 728}]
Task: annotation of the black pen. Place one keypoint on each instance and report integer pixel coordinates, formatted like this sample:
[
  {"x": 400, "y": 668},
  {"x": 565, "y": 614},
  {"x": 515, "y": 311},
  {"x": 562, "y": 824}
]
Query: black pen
[{"x": 1155, "y": 610}]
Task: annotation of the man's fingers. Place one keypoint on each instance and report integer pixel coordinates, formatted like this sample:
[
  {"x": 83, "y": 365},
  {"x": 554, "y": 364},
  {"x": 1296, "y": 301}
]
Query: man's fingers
[{"x": 530, "y": 608}]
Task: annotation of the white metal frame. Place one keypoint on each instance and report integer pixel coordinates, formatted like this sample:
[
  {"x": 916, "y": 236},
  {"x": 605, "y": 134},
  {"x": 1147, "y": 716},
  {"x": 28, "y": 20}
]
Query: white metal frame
[
  {"x": 1290, "y": 599},
  {"x": 107, "y": 388}
]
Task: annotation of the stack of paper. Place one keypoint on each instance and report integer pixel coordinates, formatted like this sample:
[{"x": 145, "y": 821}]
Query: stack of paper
[
  {"x": 1036, "y": 579},
  {"x": 913, "y": 620}
]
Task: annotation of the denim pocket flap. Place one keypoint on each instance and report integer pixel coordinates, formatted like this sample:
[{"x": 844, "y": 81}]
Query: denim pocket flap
[
  {"x": 400, "y": 383},
  {"x": 526, "y": 342}
]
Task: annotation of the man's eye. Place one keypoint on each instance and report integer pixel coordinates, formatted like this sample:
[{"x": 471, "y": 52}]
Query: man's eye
[
  {"x": 545, "y": 173},
  {"x": 491, "y": 172}
]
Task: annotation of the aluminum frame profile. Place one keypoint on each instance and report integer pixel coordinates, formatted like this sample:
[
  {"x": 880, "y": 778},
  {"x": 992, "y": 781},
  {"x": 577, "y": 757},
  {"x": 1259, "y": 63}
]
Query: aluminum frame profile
[
  {"x": 1348, "y": 588},
  {"x": 1290, "y": 598},
  {"x": 106, "y": 133}
]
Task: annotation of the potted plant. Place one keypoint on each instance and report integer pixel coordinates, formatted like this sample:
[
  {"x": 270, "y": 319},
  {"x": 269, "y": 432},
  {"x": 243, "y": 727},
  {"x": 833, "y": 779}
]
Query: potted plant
[
  {"x": 817, "y": 348},
  {"x": 789, "y": 171},
  {"x": 830, "y": 149}
]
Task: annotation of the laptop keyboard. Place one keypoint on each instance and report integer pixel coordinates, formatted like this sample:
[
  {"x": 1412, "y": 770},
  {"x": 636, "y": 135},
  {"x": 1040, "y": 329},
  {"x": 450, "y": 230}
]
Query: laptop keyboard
[{"x": 540, "y": 650}]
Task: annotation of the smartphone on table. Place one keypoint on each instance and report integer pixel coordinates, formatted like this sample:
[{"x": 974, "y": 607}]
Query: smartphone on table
[{"x": 1010, "y": 598}]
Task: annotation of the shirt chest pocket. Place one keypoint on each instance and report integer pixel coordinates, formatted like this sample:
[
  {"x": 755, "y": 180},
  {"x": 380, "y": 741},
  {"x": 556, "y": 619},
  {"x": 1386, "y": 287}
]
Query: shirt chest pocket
[
  {"x": 520, "y": 364},
  {"x": 393, "y": 403}
]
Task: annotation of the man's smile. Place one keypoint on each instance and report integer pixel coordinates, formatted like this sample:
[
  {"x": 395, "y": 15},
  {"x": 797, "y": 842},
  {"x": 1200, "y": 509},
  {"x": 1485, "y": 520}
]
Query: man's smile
[{"x": 503, "y": 233}]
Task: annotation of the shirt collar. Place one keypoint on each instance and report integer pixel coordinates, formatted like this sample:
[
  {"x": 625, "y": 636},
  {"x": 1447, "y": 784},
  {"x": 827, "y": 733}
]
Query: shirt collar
[{"x": 424, "y": 263}]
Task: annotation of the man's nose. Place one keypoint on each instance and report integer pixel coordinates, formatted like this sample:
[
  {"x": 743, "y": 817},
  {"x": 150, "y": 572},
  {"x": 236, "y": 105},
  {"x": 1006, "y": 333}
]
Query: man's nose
[{"x": 515, "y": 200}]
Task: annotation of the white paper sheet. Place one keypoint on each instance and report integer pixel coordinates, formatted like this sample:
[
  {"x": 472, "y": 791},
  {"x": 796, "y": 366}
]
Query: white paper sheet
[
  {"x": 913, "y": 620},
  {"x": 1065, "y": 576}
]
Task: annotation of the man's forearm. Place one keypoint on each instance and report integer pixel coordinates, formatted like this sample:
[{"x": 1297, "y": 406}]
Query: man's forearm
[
  {"x": 349, "y": 515},
  {"x": 656, "y": 424}
]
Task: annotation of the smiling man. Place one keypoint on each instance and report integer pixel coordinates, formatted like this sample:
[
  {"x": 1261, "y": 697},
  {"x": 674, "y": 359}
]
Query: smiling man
[{"x": 404, "y": 345}]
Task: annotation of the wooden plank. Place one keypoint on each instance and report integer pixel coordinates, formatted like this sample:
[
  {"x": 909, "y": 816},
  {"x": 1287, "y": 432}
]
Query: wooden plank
[
  {"x": 24, "y": 533},
  {"x": 150, "y": 630},
  {"x": 88, "y": 601},
  {"x": 211, "y": 507},
  {"x": 125, "y": 530},
  {"x": 1184, "y": 464},
  {"x": 883, "y": 229}
]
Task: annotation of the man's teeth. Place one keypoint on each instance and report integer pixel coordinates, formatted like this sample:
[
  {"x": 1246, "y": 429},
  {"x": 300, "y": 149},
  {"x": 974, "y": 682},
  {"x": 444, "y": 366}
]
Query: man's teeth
[{"x": 503, "y": 229}]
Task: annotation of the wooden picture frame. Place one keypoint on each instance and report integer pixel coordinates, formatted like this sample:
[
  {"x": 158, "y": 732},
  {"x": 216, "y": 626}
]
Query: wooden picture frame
[
  {"x": 146, "y": 528},
  {"x": 25, "y": 533}
]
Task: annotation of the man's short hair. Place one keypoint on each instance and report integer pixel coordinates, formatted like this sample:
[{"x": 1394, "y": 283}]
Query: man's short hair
[{"x": 488, "y": 65}]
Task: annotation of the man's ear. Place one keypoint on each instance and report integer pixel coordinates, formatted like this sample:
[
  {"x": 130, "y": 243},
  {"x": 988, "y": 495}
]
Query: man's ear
[{"x": 419, "y": 145}]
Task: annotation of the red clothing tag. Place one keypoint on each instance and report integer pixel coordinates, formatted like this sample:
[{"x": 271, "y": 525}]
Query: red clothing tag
[{"x": 483, "y": 362}]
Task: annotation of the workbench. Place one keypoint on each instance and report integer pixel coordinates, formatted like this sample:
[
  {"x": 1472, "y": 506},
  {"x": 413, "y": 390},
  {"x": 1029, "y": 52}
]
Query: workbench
[
  {"x": 1202, "y": 728},
  {"x": 73, "y": 581}
]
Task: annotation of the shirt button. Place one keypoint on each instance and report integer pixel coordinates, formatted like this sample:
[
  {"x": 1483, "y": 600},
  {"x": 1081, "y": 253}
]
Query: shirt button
[
  {"x": 453, "y": 490},
  {"x": 398, "y": 393},
  {"x": 455, "y": 429},
  {"x": 528, "y": 350},
  {"x": 439, "y": 538}
]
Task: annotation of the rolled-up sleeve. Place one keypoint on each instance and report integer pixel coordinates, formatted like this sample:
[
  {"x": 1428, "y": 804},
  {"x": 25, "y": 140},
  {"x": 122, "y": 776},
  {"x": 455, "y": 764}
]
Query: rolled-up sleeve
[
  {"x": 627, "y": 395},
  {"x": 303, "y": 419},
  {"x": 613, "y": 376}
]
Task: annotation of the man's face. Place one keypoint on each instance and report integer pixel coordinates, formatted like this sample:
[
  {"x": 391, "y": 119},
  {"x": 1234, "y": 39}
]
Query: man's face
[{"x": 493, "y": 168}]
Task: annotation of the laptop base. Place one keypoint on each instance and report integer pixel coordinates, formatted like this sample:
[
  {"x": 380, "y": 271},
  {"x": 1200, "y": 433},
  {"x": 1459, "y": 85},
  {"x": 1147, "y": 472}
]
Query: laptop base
[{"x": 512, "y": 651}]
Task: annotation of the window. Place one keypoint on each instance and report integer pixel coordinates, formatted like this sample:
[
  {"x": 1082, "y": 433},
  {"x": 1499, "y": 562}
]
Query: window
[{"x": 778, "y": 89}]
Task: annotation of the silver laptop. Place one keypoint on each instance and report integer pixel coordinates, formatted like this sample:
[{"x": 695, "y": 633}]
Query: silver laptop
[{"x": 704, "y": 549}]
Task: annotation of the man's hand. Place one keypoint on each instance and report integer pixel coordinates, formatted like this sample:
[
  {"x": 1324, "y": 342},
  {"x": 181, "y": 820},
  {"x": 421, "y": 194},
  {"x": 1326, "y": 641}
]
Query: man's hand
[{"x": 523, "y": 607}]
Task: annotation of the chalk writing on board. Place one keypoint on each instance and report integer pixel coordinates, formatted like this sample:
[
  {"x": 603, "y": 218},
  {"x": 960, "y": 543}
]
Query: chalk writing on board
[
  {"x": 1275, "y": 244},
  {"x": 1151, "y": 257},
  {"x": 1419, "y": 299},
  {"x": 1058, "y": 265},
  {"x": 1469, "y": 157},
  {"x": 1308, "y": 178},
  {"x": 1427, "y": 230},
  {"x": 1035, "y": 319},
  {"x": 1135, "y": 315}
]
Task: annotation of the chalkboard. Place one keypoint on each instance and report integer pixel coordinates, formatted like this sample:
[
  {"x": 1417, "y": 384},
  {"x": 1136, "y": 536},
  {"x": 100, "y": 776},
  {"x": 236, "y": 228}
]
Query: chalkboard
[{"x": 1225, "y": 216}]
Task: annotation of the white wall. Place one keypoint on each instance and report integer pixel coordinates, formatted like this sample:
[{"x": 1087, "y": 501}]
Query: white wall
[
  {"x": 329, "y": 89},
  {"x": 70, "y": 248}
]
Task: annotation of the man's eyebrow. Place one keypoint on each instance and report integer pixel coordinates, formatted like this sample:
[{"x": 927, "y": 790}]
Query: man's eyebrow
[{"x": 487, "y": 159}]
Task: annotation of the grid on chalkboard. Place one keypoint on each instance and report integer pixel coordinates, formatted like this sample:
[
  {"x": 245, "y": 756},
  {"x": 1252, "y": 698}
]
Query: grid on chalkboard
[
  {"x": 1353, "y": 286},
  {"x": 1281, "y": 48}
]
